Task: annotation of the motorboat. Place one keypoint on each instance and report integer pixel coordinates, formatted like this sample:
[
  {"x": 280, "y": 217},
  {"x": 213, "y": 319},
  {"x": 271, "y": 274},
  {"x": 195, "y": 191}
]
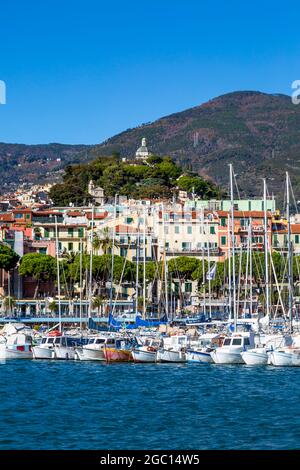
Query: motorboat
[
  {"x": 16, "y": 346},
  {"x": 261, "y": 354},
  {"x": 119, "y": 350},
  {"x": 200, "y": 350},
  {"x": 55, "y": 346},
  {"x": 232, "y": 347},
  {"x": 173, "y": 350},
  {"x": 147, "y": 352},
  {"x": 94, "y": 349}
]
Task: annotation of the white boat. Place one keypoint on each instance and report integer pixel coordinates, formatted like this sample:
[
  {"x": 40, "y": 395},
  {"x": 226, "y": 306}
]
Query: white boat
[
  {"x": 285, "y": 357},
  {"x": 54, "y": 346},
  {"x": 260, "y": 355},
  {"x": 173, "y": 350},
  {"x": 199, "y": 355},
  {"x": 233, "y": 346},
  {"x": 94, "y": 349},
  {"x": 16, "y": 346},
  {"x": 255, "y": 356},
  {"x": 147, "y": 352},
  {"x": 200, "y": 350}
]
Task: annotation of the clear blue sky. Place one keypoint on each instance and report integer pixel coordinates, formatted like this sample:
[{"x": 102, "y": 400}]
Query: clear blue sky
[{"x": 82, "y": 71}]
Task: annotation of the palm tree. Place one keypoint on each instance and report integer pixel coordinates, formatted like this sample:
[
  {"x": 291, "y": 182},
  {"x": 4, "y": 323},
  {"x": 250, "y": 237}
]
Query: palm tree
[
  {"x": 98, "y": 303},
  {"x": 8, "y": 304},
  {"x": 105, "y": 241},
  {"x": 52, "y": 306}
]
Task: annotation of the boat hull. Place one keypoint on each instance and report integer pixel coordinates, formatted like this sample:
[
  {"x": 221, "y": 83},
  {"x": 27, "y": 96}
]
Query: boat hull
[
  {"x": 117, "y": 355},
  {"x": 140, "y": 355},
  {"x": 199, "y": 356},
  {"x": 86, "y": 354},
  {"x": 255, "y": 358},
  {"x": 226, "y": 357},
  {"x": 42, "y": 353},
  {"x": 64, "y": 353},
  {"x": 284, "y": 359},
  {"x": 165, "y": 355}
]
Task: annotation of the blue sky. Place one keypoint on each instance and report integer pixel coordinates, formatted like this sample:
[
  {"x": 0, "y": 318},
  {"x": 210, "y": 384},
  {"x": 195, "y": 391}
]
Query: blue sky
[{"x": 82, "y": 71}]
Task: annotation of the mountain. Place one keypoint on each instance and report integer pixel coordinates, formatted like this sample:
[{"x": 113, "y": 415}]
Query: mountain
[
  {"x": 257, "y": 132},
  {"x": 27, "y": 164}
]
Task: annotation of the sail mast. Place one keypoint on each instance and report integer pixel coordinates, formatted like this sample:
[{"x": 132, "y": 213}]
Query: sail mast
[
  {"x": 58, "y": 274},
  {"x": 267, "y": 282},
  {"x": 91, "y": 266},
  {"x": 233, "y": 249},
  {"x": 290, "y": 253}
]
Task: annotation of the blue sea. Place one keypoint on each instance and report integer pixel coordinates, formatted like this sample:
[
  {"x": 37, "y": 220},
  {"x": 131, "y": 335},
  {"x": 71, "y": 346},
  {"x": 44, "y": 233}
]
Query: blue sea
[{"x": 81, "y": 405}]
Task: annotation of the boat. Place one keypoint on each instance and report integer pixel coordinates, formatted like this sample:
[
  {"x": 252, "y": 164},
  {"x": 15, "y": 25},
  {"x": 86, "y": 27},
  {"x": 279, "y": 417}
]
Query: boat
[
  {"x": 94, "y": 349},
  {"x": 173, "y": 350},
  {"x": 231, "y": 349},
  {"x": 200, "y": 350},
  {"x": 260, "y": 355},
  {"x": 119, "y": 350},
  {"x": 16, "y": 346},
  {"x": 285, "y": 357},
  {"x": 147, "y": 352},
  {"x": 54, "y": 346}
]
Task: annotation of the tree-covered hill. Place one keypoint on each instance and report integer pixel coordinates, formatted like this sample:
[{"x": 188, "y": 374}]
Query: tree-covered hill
[{"x": 158, "y": 177}]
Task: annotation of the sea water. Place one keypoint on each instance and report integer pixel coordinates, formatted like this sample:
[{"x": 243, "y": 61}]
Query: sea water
[{"x": 82, "y": 405}]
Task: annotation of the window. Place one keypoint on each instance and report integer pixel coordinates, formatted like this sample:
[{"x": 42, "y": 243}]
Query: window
[
  {"x": 46, "y": 233},
  {"x": 80, "y": 232},
  {"x": 212, "y": 230},
  {"x": 128, "y": 220},
  {"x": 188, "y": 287},
  {"x": 177, "y": 229},
  {"x": 123, "y": 252},
  {"x": 43, "y": 251},
  {"x": 27, "y": 216},
  {"x": 223, "y": 241},
  {"x": 246, "y": 342},
  {"x": 186, "y": 246},
  {"x": 236, "y": 342},
  {"x": 227, "y": 342},
  {"x": 223, "y": 222},
  {"x": 297, "y": 239},
  {"x": 70, "y": 232},
  {"x": 70, "y": 246},
  {"x": 189, "y": 229}
]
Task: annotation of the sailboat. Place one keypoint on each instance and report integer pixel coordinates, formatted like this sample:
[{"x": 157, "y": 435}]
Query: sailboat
[{"x": 288, "y": 356}]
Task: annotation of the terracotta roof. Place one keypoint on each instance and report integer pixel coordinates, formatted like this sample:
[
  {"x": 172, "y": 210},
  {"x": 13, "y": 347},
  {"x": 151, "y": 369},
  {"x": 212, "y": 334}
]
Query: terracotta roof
[
  {"x": 7, "y": 217},
  {"x": 125, "y": 229},
  {"x": 248, "y": 214},
  {"x": 97, "y": 216}
]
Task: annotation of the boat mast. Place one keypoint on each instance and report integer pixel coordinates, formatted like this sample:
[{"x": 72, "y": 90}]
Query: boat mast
[
  {"x": 91, "y": 266},
  {"x": 290, "y": 253},
  {"x": 233, "y": 249},
  {"x": 137, "y": 269},
  {"x": 229, "y": 270},
  {"x": 267, "y": 282},
  {"x": 80, "y": 284},
  {"x": 58, "y": 274},
  {"x": 203, "y": 265},
  {"x": 251, "y": 268},
  {"x": 112, "y": 256},
  {"x": 144, "y": 267}
]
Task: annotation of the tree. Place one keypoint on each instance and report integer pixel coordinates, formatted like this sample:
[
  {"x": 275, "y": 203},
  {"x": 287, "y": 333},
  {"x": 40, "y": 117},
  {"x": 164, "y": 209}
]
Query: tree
[
  {"x": 8, "y": 258},
  {"x": 104, "y": 241},
  {"x": 39, "y": 266},
  {"x": 98, "y": 303},
  {"x": 8, "y": 304}
]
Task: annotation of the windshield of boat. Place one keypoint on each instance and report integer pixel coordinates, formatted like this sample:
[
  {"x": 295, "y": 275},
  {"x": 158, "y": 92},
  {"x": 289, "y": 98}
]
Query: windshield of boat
[
  {"x": 50, "y": 340},
  {"x": 44, "y": 340},
  {"x": 100, "y": 341},
  {"x": 236, "y": 341},
  {"x": 227, "y": 342}
]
